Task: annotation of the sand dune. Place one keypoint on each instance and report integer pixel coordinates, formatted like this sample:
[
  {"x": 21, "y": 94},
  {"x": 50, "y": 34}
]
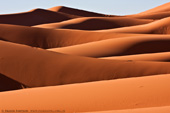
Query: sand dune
[
  {"x": 75, "y": 61},
  {"x": 34, "y": 17},
  {"x": 96, "y": 23},
  {"x": 48, "y": 38},
  {"x": 35, "y": 67},
  {"x": 163, "y": 57},
  {"x": 155, "y": 16},
  {"x": 156, "y": 27},
  {"x": 163, "y": 109},
  {"x": 77, "y": 12},
  {"x": 159, "y": 12},
  {"x": 120, "y": 94},
  {"x": 159, "y": 9},
  {"x": 119, "y": 46}
]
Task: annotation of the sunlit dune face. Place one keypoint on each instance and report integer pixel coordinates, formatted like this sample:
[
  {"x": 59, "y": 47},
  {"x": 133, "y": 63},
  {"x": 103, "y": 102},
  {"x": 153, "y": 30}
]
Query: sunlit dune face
[{"x": 69, "y": 60}]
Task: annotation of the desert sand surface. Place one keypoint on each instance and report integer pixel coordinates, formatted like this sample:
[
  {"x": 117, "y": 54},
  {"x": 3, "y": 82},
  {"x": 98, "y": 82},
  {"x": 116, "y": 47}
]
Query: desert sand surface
[
  {"x": 54, "y": 65},
  {"x": 161, "y": 56},
  {"x": 165, "y": 109},
  {"x": 50, "y": 38},
  {"x": 131, "y": 93},
  {"x": 157, "y": 27},
  {"x": 71, "y": 60},
  {"x": 119, "y": 46},
  {"x": 96, "y": 23}
]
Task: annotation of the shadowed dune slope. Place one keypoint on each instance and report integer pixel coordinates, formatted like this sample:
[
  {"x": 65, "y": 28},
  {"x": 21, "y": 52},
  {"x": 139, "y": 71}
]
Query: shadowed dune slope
[
  {"x": 34, "y": 17},
  {"x": 161, "y": 8},
  {"x": 77, "y": 12},
  {"x": 35, "y": 67},
  {"x": 7, "y": 84},
  {"x": 120, "y": 94},
  {"x": 163, "y": 57},
  {"x": 119, "y": 46},
  {"x": 48, "y": 38},
  {"x": 157, "y": 27},
  {"x": 96, "y": 23},
  {"x": 163, "y": 109}
]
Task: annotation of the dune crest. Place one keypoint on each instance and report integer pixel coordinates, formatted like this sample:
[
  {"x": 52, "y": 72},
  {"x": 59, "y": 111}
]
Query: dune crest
[
  {"x": 34, "y": 17},
  {"x": 54, "y": 65},
  {"x": 119, "y": 46},
  {"x": 154, "y": 16},
  {"x": 161, "y": 8},
  {"x": 157, "y": 27},
  {"x": 162, "y": 57},
  {"x": 49, "y": 38},
  {"x": 96, "y": 23},
  {"x": 77, "y": 12}
]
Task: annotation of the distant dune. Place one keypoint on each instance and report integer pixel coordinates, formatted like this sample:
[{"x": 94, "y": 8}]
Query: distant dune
[
  {"x": 34, "y": 17},
  {"x": 159, "y": 9},
  {"x": 76, "y": 12},
  {"x": 96, "y": 23},
  {"x": 142, "y": 92},
  {"x": 156, "y": 27},
  {"x": 159, "y": 12},
  {"x": 154, "y": 16}
]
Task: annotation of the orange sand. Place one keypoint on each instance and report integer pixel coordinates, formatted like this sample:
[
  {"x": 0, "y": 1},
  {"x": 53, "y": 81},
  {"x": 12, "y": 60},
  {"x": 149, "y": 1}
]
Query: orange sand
[
  {"x": 142, "y": 92},
  {"x": 77, "y": 61}
]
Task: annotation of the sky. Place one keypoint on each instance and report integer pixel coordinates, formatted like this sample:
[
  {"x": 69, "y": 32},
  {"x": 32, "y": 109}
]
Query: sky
[{"x": 112, "y": 7}]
